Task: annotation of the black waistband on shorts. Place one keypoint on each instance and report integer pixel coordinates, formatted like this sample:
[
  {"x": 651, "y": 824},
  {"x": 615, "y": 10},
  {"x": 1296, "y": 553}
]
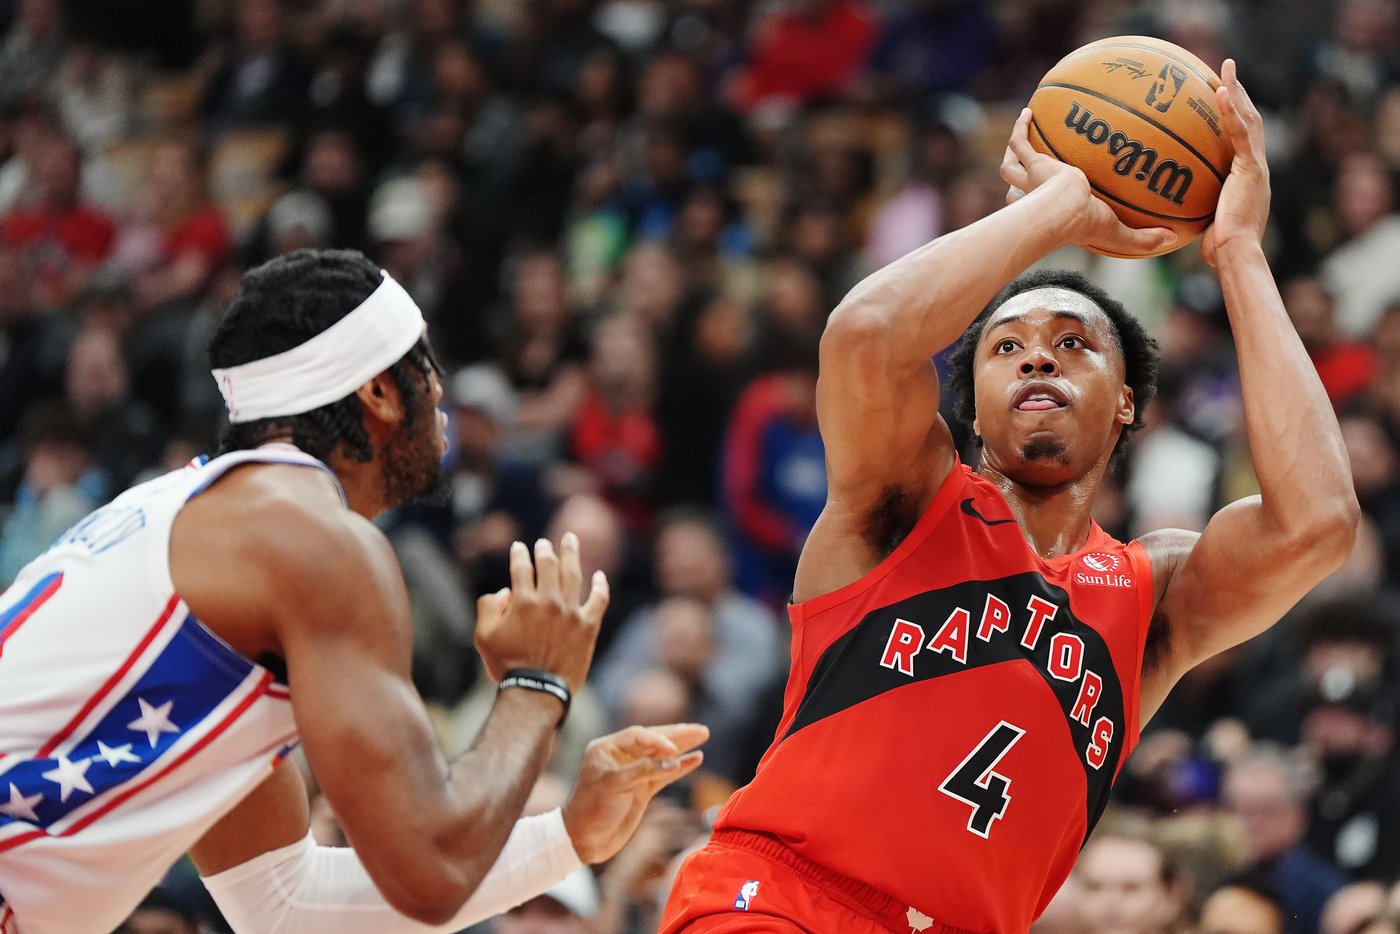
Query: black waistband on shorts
[{"x": 858, "y": 896}]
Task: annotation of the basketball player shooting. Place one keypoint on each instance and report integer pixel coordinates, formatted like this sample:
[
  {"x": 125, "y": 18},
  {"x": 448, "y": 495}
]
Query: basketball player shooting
[
  {"x": 973, "y": 656},
  {"x": 159, "y": 662}
]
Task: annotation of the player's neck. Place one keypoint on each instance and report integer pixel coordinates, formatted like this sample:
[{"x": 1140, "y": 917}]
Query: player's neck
[
  {"x": 363, "y": 484},
  {"x": 1056, "y": 519}
]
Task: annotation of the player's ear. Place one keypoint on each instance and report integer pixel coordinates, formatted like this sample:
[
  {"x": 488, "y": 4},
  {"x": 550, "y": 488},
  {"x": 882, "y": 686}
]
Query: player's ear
[
  {"x": 1127, "y": 408},
  {"x": 379, "y": 398}
]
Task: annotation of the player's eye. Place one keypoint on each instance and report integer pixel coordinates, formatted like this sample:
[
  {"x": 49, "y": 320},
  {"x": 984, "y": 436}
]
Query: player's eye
[
  {"x": 1006, "y": 346},
  {"x": 1071, "y": 342}
]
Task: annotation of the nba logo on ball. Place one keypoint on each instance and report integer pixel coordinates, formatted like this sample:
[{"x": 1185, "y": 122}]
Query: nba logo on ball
[
  {"x": 1166, "y": 87},
  {"x": 747, "y": 893}
]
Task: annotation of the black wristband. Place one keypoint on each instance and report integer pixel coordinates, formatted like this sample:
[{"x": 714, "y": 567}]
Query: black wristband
[{"x": 532, "y": 679}]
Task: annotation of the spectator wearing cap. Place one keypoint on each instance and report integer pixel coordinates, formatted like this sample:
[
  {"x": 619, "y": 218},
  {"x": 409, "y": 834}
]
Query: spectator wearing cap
[
  {"x": 1268, "y": 791},
  {"x": 300, "y": 219},
  {"x": 494, "y": 499}
]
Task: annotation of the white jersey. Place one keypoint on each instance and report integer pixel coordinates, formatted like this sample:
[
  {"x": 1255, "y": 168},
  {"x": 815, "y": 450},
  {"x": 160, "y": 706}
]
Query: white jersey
[{"x": 127, "y": 728}]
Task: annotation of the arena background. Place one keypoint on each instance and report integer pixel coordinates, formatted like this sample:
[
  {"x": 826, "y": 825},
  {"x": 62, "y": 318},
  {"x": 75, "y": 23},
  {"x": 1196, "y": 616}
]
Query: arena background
[{"x": 626, "y": 222}]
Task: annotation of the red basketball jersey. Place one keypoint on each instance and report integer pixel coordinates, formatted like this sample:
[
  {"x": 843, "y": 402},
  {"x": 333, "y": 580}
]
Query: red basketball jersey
[{"x": 954, "y": 719}]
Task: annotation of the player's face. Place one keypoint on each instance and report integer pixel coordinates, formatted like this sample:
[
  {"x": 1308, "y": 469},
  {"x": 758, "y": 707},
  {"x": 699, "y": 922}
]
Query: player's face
[
  {"x": 1050, "y": 393},
  {"x": 413, "y": 466}
]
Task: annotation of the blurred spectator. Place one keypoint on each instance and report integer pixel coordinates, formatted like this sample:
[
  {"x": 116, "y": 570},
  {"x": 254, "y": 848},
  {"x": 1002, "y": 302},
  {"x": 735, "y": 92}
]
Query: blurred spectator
[
  {"x": 1268, "y": 791},
  {"x": 175, "y": 237},
  {"x": 31, "y": 51},
  {"x": 1359, "y": 53},
  {"x": 1245, "y": 905},
  {"x": 543, "y": 356},
  {"x": 1347, "y": 367},
  {"x": 263, "y": 79},
  {"x": 604, "y": 545},
  {"x": 774, "y": 478},
  {"x": 161, "y": 913},
  {"x": 1375, "y": 470},
  {"x": 62, "y": 238},
  {"x": 914, "y": 214},
  {"x": 634, "y": 882},
  {"x": 333, "y": 167},
  {"x": 935, "y": 46},
  {"x": 706, "y": 364},
  {"x": 1362, "y": 274},
  {"x": 300, "y": 219},
  {"x": 492, "y": 499},
  {"x": 60, "y": 486},
  {"x": 567, "y": 908},
  {"x": 1128, "y": 885},
  {"x": 615, "y": 436},
  {"x": 94, "y": 91},
  {"x": 122, "y": 432},
  {"x": 805, "y": 50},
  {"x": 1352, "y": 908},
  {"x": 1172, "y": 476},
  {"x": 692, "y": 562}
]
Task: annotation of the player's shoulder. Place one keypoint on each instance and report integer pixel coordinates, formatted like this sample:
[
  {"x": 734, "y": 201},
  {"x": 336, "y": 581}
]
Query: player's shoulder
[
  {"x": 1166, "y": 549},
  {"x": 287, "y": 520}
]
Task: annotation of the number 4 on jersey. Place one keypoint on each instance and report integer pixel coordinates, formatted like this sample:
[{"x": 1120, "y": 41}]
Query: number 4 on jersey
[{"x": 974, "y": 783}]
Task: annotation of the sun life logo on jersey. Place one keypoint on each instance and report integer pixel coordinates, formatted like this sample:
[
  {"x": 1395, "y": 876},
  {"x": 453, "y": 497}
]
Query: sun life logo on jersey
[
  {"x": 747, "y": 893},
  {"x": 1105, "y": 567}
]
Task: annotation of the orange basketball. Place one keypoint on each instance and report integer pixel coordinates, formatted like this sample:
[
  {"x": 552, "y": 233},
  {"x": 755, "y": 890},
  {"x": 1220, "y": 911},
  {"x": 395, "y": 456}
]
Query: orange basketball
[{"x": 1138, "y": 116}]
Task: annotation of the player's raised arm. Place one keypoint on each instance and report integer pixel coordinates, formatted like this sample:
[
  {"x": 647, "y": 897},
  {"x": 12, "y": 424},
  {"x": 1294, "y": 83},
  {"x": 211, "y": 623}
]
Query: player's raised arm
[
  {"x": 877, "y": 396},
  {"x": 1259, "y": 556}
]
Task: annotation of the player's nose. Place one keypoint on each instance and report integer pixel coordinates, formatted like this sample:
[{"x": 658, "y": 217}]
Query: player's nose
[{"x": 1038, "y": 360}]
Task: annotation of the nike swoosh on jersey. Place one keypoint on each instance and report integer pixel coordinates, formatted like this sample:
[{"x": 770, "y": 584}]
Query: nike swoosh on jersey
[{"x": 971, "y": 510}]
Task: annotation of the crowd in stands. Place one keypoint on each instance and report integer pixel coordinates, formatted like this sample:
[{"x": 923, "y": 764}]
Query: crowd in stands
[{"x": 626, "y": 222}]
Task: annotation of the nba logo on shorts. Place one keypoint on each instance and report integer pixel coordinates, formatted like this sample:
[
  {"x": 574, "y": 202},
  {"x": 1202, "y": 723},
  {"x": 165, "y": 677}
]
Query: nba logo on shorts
[{"x": 746, "y": 895}]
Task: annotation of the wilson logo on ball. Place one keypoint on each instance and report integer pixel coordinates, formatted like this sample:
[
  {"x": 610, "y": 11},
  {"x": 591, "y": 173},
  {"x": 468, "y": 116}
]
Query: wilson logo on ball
[
  {"x": 1165, "y": 178},
  {"x": 1166, "y": 87}
]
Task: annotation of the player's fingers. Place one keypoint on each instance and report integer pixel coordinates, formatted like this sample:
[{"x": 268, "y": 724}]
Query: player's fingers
[
  {"x": 546, "y": 569},
  {"x": 570, "y": 570},
  {"x": 491, "y": 607},
  {"x": 684, "y": 736},
  {"x": 653, "y": 774},
  {"x": 1012, "y": 171},
  {"x": 522, "y": 572},
  {"x": 639, "y": 742},
  {"x": 1146, "y": 239},
  {"x": 598, "y": 597},
  {"x": 1014, "y": 194},
  {"x": 1020, "y": 142}
]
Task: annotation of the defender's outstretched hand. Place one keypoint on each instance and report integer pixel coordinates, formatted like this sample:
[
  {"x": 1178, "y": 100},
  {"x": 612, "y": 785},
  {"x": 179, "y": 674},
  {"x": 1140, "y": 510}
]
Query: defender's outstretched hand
[
  {"x": 620, "y": 774},
  {"x": 1243, "y": 209},
  {"x": 1026, "y": 169},
  {"x": 541, "y": 620}
]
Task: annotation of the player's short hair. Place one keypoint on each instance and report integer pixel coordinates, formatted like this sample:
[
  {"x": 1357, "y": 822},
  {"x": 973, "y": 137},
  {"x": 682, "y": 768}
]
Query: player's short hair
[
  {"x": 1140, "y": 352},
  {"x": 282, "y": 304}
]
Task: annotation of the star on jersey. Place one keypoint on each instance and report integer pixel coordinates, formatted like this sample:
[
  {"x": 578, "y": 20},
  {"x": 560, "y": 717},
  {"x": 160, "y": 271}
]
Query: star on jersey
[
  {"x": 153, "y": 720},
  {"x": 918, "y": 921},
  {"x": 20, "y": 807},
  {"x": 115, "y": 756},
  {"x": 69, "y": 775}
]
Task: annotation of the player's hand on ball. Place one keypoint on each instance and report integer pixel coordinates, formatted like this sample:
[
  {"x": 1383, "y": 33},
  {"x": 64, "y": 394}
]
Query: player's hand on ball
[
  {"x": 620, "y": 774},
  {"x": 1093, "y": 221},
  {"x": 542, "y": 621},
  {"x": 1243, "y": 209}
]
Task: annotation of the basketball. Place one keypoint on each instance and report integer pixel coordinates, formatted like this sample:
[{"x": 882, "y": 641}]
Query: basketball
[{"x": 1138, "y": 116}]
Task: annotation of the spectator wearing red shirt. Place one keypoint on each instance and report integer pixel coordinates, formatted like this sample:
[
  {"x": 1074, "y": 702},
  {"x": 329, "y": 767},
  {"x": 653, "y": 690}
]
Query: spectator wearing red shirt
[
  {"x": 808, "y": 50},
  {"x": 176, "y": 237},
  {"x": 1346, "y": 367},
  {"x": 615, "y": 436},
  {"x": 61, "y": 238}
]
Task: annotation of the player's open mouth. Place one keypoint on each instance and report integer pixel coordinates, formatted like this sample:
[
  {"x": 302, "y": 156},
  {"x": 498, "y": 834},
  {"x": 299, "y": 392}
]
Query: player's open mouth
[{"x": 1040, "y": 396}]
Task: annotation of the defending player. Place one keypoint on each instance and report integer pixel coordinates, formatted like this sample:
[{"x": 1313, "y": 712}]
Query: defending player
[
  {"x": 972, "y": 655},
  {"x": 161, "y": 659}
]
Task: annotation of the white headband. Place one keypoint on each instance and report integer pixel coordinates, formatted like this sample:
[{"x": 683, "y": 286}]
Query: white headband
[{"x": 329, "y": 366}]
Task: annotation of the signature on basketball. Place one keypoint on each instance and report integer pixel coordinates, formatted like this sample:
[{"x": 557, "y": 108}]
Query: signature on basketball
[{"x": 1133, "y": 68}]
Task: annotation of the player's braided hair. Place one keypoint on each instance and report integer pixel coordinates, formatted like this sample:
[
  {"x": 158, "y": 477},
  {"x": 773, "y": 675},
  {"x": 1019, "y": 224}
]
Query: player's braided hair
[
  {"x": 1140, "y": 352},
  {"x": 282, "y": 304}
]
